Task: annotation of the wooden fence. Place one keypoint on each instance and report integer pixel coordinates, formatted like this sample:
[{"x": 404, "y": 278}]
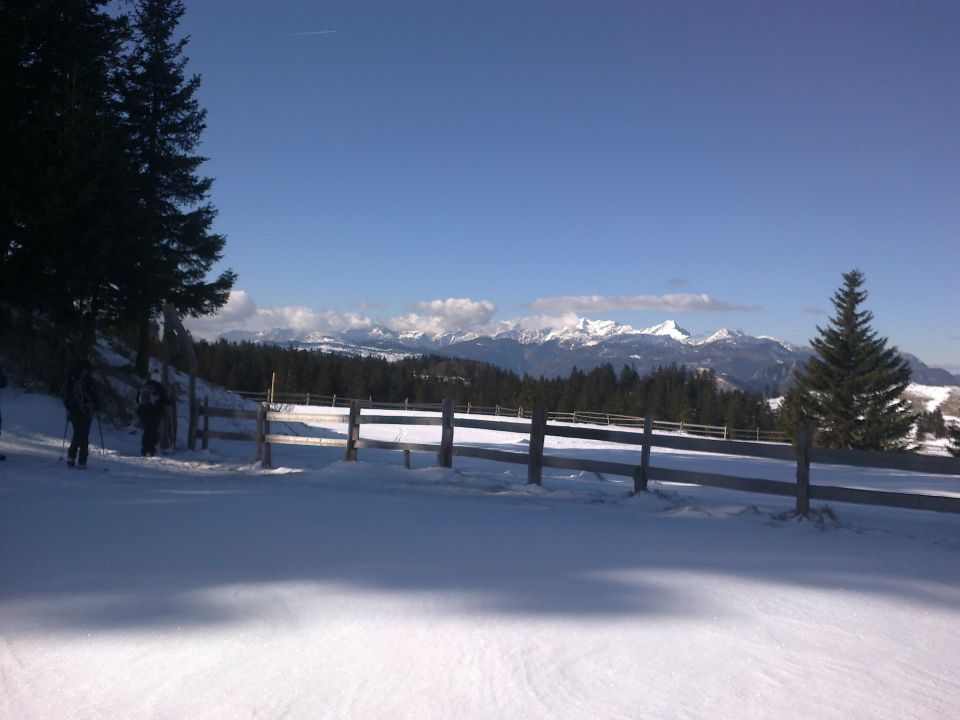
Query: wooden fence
[
  {"x": 538, "y": 428},
  {"x": 590, "y": 418}
]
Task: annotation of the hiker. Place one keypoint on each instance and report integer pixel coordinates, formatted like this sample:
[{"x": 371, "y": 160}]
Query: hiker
[
  {"x": 151, "y": 403},
  {"x": 80, "y": 399}
]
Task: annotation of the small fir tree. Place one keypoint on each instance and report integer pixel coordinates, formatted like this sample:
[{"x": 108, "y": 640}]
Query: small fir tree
[
  {"x": 953, "y": 432},
  {"x": 852, "y": 386}
]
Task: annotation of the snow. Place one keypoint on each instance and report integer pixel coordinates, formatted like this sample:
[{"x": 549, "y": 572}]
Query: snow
[
  {"x": 725, "y": 335},
  {"x": 668, "y": 328},
  {"x": 199, "y": 585},
  {"x": 935, "y": 395}
]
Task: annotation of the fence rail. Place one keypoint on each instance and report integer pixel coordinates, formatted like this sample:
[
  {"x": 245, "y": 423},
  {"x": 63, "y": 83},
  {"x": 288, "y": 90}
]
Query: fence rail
[
  {"x": 539, "y": 427},
  {"x": 585, "y": 417}
]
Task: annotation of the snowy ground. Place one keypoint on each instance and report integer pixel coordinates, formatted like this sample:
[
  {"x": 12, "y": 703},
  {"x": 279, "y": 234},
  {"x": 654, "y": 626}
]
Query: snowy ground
[{"x": 197, "y": 585}]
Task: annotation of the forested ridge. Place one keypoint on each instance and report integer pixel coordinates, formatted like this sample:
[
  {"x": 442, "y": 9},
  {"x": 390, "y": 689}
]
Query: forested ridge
[{"x": 669, "y": 393}]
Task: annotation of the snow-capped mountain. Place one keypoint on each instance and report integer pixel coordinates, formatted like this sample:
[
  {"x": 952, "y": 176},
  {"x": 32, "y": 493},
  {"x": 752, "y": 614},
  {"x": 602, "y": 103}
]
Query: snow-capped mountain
[
  {"x": 669, "y": 329},
  {"x": 742, "y": 360}
]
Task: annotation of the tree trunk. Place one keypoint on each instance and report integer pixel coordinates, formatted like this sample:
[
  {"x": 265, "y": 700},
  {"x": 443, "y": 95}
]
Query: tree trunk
[{"x": 142, "y": 363}]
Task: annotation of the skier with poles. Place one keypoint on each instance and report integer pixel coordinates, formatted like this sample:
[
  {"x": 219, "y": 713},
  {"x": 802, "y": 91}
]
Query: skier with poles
[
  {"x": 80, "y": 399},
  {"x": 151, "y": 403}
]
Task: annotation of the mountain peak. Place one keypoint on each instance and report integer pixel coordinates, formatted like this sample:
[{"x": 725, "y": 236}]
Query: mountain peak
[
  {"x": 668, "y": 328},
  {"x": 728, "y": 334},
  {"x": 588, "y": 332}
]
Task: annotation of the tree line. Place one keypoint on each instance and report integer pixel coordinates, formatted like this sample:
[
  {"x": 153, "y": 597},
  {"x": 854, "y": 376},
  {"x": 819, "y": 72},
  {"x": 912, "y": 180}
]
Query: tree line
[
  {"x": 104, "y": 214},
  {"x": 669, "y": 393}
]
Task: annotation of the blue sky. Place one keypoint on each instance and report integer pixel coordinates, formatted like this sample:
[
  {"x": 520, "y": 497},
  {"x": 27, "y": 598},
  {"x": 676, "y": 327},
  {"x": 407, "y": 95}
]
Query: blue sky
[{"x": 718, "y": 163}]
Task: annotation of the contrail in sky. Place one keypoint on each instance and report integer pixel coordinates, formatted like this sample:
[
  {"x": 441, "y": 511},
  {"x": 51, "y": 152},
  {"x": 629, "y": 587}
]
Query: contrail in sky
[{"x": 314, "y": 32}]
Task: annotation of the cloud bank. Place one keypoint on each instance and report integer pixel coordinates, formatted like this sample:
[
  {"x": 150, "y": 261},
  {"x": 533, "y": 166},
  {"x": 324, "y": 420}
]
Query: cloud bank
[
  {"x": 671, "y": 303},
  {"x": 241, "y": 313},
  {"x": 435, "y": 317},
  {"x": 438, "y": 316},
  {"x": 429, "y": 316}
]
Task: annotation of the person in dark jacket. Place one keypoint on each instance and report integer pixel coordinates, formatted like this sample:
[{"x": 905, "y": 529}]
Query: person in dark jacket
[
  {"x": 80, "y": 399},
  {"x": 151, "y": 403}
]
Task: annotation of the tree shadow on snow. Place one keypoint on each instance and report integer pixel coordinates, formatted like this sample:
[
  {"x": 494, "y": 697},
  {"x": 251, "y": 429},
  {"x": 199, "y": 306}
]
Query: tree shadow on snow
[{"x": 122, "y": 556}]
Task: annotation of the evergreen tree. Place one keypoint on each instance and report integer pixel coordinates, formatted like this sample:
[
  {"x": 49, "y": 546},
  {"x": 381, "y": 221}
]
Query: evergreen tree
[
  {"x": 852, "y": 386},
  {"x": 931, "y": 423},
  {"x": 953, "y": 433},
  {"x": 176, "y": 245},
  {"x": 64, "y": 202}
]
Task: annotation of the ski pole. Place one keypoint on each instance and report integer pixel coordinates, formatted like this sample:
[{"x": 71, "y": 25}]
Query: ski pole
[
  {"x": 103, "y": 452},
  {"x": 63, "y": 445}
]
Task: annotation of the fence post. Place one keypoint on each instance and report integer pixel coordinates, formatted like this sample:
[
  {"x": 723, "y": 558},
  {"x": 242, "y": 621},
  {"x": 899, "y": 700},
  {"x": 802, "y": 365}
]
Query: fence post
[
  {"x": 353, "y": 431},
  {"x": 333, "y": 401},
  {"x": 261, "y": 418},
  {"x": 538, "y": 431},
  {"x": 804, "y": 443},
  {"x": 724, "y": 432},
  {"x": 206, "y": 423},
  {"x": 406, "y": 459},
  {"x": 445, "y": 456},
  {"x": 641, "y": 473},
  {"x": 267, "y": 447},
  {"x": 192, "y": 429}
]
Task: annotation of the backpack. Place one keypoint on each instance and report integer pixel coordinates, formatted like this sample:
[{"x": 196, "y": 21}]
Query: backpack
[
  {"x": 149, "y": 397},
  {"x": 80, "y": 394}
]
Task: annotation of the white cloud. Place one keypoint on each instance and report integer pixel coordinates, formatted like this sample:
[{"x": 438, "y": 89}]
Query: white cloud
[
  {"x": 672, "y": 302},
  {"x": 241, "y": 313},
  {"x": 237, "y": 311},
  {"x": 437, "y": 316},
  {"x": 548, "y": 322},
  {"x": 305, "y": 320},
  {"x": 430, "y": 316}
]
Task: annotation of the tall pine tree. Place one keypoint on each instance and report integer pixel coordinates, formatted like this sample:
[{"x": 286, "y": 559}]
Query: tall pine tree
[
  {"x": 852, "y": 386},
  {"x": 177, "y": 247},
  {"x": 64, "y": 202}
]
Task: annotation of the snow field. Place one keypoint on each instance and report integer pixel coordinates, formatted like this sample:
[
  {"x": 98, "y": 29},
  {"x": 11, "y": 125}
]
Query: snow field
[{"x": 198, "y": 585}]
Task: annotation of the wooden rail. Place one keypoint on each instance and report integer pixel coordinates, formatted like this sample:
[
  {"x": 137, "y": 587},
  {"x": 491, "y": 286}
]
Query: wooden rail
[
  {"x": 578, "y": 417},
  {"x": 538, "y": 428}
]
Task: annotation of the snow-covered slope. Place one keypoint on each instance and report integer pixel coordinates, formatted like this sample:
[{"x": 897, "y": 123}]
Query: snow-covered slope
[
  {"x": 199, "y": 585},
  {"x": 946, "y": 399}
]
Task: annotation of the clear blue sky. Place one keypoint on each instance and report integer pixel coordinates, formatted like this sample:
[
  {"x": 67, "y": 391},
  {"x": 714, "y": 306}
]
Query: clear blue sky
[{"x": 601, "y": 158}]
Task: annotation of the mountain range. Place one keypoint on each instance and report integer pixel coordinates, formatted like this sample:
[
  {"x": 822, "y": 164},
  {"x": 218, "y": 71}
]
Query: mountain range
[{"x": 738, "y": 359}]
